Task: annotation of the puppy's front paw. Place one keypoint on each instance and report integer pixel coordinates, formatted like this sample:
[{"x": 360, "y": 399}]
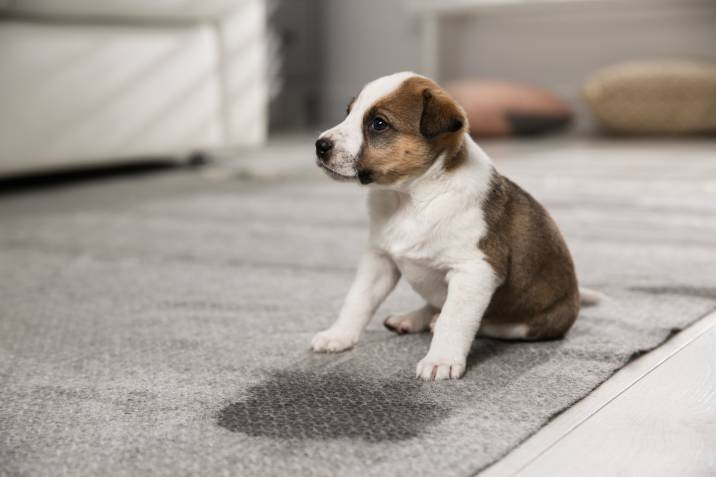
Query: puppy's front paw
[
  {"x": 332, "y": 341},
  {"x": 437, "y": 368}
]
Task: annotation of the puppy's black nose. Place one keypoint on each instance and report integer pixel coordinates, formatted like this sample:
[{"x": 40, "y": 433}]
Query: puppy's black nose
[{"x": 323, "y": 148}]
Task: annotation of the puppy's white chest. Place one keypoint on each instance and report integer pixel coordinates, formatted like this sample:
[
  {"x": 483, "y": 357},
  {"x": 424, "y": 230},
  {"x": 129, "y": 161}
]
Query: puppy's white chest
[
  {"x": 428, "y": 282},
  {"x": 405, "y": 238},
  {"x": 436, "y": 236},
  {"x": 426, "y": 243}
]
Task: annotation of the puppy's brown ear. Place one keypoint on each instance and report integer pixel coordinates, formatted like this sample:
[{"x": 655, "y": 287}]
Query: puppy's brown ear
[{"x": 441, "y": 114}]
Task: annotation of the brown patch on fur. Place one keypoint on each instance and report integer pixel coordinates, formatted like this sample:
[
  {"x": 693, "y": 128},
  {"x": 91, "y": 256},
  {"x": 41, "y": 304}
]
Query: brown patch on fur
[
  {"x": 424, "y": 123},
  {"x": 389, "y": 162},
  {"x": 526, "y": 249},
  {"x": 456, "y": 160}
]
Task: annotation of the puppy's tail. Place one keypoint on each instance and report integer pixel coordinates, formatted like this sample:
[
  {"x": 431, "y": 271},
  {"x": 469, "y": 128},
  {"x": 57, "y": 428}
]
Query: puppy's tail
[{"x": 589, "y": 297}]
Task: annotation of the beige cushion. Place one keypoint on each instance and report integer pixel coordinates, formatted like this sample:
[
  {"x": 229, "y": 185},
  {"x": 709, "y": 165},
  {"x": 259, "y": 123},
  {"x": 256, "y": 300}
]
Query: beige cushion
[{"x": 654, "y": 97}]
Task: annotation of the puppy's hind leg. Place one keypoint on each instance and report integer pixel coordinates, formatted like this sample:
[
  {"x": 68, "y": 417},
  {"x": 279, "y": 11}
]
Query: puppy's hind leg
[
  {"x": 415, "y": 321},
  {"x": 550, "y": 324}
]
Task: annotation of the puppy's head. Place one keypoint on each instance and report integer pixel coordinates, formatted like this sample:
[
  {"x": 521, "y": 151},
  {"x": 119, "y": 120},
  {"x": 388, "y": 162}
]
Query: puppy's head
[{"x": 395, "y": 130}]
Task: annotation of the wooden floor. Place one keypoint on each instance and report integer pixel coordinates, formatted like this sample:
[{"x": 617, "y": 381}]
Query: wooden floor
[{"x": 655, "y": 417}]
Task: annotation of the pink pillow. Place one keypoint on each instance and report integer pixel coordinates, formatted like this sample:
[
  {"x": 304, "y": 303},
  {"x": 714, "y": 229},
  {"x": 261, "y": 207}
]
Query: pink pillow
[{"x": 500, "y": 108}]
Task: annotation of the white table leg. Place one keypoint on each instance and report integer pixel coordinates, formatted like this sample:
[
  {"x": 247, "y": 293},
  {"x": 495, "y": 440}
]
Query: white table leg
[{"x": 430, "y": 44}]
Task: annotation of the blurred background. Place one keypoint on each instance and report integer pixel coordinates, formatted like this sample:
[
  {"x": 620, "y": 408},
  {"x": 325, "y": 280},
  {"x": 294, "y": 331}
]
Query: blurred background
[
  {"x": 88, "y": 83},
  {"x": 331, "y": 48}
]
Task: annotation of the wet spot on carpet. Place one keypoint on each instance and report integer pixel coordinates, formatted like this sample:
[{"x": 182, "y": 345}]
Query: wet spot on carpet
[{"x": 301, "y": 405}]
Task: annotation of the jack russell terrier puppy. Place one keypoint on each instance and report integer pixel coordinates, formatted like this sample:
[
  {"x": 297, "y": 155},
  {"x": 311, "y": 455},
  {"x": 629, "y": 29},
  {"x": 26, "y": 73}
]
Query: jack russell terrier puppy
[{"x": 484, "y": 255}]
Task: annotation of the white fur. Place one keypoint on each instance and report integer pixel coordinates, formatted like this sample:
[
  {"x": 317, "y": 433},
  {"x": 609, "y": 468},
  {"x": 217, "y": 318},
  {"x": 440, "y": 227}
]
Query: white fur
[
  {"x": 376, "y": 277},
  {"x": 589, "y": 297},
  {"x": 505, "y": 332},
  {"x": 426, "y": 230}
]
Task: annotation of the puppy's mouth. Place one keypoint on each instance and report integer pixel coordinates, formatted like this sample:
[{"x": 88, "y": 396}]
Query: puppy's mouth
[{"x": 333, "y": 174}]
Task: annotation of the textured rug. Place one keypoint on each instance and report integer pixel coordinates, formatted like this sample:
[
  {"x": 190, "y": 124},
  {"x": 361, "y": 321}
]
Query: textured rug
[{"x": 160, "y": 325}]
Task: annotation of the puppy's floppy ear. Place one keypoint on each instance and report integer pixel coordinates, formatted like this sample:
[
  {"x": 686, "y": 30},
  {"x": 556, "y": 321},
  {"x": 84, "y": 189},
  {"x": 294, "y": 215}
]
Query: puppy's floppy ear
[{"x": 441, "y": 114}]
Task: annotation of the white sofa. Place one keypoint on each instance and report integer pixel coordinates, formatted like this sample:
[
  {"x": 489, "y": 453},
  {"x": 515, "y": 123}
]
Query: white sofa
[{"x": 84, "y": 81}]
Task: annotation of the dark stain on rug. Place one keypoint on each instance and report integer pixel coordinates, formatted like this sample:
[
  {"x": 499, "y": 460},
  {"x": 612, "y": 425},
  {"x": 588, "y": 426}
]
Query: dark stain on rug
[
  {"x": 301, "y": 405},
  {"x": 698, "y": 292}
]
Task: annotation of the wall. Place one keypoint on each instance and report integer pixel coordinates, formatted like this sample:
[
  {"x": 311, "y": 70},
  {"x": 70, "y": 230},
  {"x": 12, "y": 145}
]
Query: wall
[{"x": 364, "y": 39}]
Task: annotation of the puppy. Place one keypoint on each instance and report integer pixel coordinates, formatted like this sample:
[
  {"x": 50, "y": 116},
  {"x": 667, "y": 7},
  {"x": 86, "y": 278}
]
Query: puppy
[{"x": 483, "y": 254}]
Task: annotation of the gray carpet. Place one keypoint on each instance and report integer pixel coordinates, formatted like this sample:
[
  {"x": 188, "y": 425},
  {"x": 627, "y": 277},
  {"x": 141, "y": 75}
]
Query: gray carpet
[{"x": 160, "y": 325}]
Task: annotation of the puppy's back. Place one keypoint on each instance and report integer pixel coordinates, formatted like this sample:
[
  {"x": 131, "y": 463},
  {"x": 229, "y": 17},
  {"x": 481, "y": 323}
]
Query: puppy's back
[{"x": 527, "y": 251}]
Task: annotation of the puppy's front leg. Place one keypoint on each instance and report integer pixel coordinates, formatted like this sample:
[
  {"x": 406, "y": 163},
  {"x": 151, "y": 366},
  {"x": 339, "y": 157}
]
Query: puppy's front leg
[
  {"x": 376, "y": 277},
  {"x": 470, "y": 290}
]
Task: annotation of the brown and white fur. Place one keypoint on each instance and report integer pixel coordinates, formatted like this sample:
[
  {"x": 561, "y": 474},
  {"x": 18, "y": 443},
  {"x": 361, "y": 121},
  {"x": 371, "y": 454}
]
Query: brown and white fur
[{"x": 482, "y": 253}]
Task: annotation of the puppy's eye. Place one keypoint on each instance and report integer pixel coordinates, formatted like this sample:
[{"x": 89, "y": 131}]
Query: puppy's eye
[{"x": 379, "y": 124}]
